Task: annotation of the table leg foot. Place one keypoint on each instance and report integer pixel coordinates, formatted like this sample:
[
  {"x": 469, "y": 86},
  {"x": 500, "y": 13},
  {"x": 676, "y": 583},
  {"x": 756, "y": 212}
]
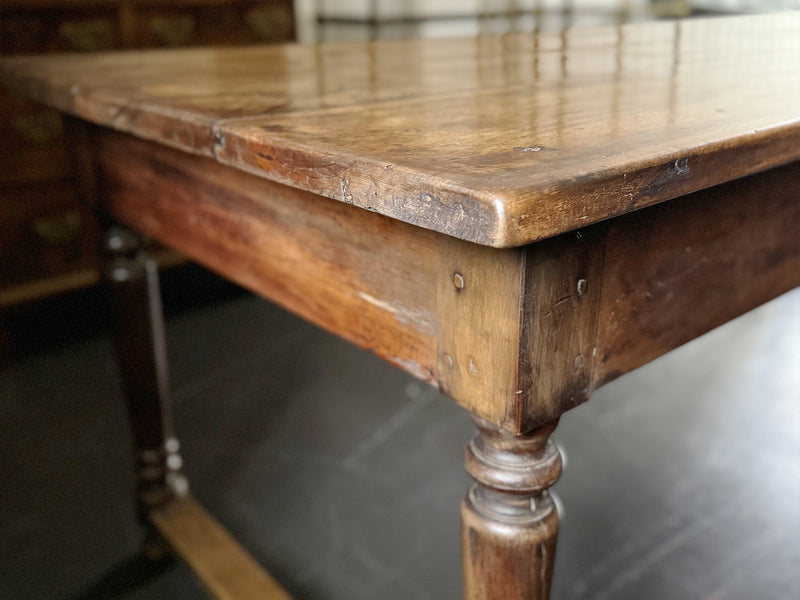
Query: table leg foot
[
  {"x": 509, "y": 520},
  {"x": 131, "y": 279}
]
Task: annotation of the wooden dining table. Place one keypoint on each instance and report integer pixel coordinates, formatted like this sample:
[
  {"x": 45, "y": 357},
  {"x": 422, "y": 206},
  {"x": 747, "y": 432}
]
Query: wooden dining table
[{"x": 515, "y": 220}]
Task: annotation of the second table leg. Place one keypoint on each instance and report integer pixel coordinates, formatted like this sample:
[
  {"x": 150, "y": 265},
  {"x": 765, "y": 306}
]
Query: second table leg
[{"x": 131, "y": 279}]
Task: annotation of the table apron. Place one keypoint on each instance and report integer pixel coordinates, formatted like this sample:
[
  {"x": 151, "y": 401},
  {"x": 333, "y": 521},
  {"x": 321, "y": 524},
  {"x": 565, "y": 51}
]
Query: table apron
[{"x": 517, "y": 336}]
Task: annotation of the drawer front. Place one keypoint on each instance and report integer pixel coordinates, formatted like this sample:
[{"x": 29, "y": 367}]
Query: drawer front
[
  {"x": 223, "y": 23},
  {"x": 270, "y": 22},
  {"x": 83, "y": 29},
  {"x": 32, "y": 147},
  {"x": 44, "y": 232}
]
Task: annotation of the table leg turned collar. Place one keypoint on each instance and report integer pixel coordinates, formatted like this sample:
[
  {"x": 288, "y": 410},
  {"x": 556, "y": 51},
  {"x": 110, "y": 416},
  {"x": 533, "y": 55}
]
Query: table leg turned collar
[{"x": 509, "y": 520}]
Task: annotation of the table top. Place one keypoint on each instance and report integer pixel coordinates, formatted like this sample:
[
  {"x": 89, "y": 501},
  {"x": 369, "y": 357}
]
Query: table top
[{"x": 499, "y": 140}]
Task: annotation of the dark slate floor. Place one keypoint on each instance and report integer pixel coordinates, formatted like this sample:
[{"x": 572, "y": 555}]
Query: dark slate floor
[{"x": 343, "y": 476}]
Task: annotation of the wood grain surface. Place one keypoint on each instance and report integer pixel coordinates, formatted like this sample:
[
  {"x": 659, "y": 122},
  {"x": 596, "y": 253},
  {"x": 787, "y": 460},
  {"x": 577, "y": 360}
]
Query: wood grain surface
[
  {"x": 479, "y": 300},
  {"x": 496, "y": 140},
  {"x": 509, "y": 521},
  {"x": 363, "y": 276},
  {"x": 516, "y": 335},
  {"x": 675, "y": 271}
]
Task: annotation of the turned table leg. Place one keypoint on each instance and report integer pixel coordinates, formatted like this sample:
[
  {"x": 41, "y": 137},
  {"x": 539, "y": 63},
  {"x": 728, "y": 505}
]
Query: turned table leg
[
  {"x": 131, "y": 279},
  {"x": 509, "y": 520}
]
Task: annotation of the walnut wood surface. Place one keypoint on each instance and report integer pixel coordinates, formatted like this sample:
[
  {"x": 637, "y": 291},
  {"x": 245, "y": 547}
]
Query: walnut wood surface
[
  {"x": 480, "y": 296},
  {"x": 509, "y": 521},
  {"x": 497, "y": 140},
  {"x": 500, "y": 141},
  {"x": 363, "y": 276},
  {"x": 531, "y": 331},
  {"x": 621, "y": 293},
  {"x": 534, "y": 329},
  {"x": 675, "y": 271}
]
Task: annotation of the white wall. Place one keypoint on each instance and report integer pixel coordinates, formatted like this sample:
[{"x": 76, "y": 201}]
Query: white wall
[
  {"x": 307, "y": 11},
  {"x": 436, "y": 8}
]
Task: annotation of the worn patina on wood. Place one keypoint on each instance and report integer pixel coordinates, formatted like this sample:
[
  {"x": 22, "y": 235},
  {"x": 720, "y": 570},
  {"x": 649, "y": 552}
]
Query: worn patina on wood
[
  {"x": 521, "y": 335},
  {"x": 543, "y": 213},
  {"x": 495, "y": 140},
  {"x": 498, "y": 140}
]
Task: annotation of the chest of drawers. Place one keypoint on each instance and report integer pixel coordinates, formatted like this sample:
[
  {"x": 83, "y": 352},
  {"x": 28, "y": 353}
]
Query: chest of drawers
[{"x": 48, "y": 238}]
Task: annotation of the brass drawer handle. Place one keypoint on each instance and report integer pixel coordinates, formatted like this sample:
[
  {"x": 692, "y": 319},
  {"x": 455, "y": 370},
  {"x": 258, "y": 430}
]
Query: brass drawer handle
[
  {"x": 172, "y": 31},
  {"x": 42, "y": 127},
  {"x": 85, "y": 36},
  {"x": 59, "y": 229},
  {"x": 268, "y": 23}
]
